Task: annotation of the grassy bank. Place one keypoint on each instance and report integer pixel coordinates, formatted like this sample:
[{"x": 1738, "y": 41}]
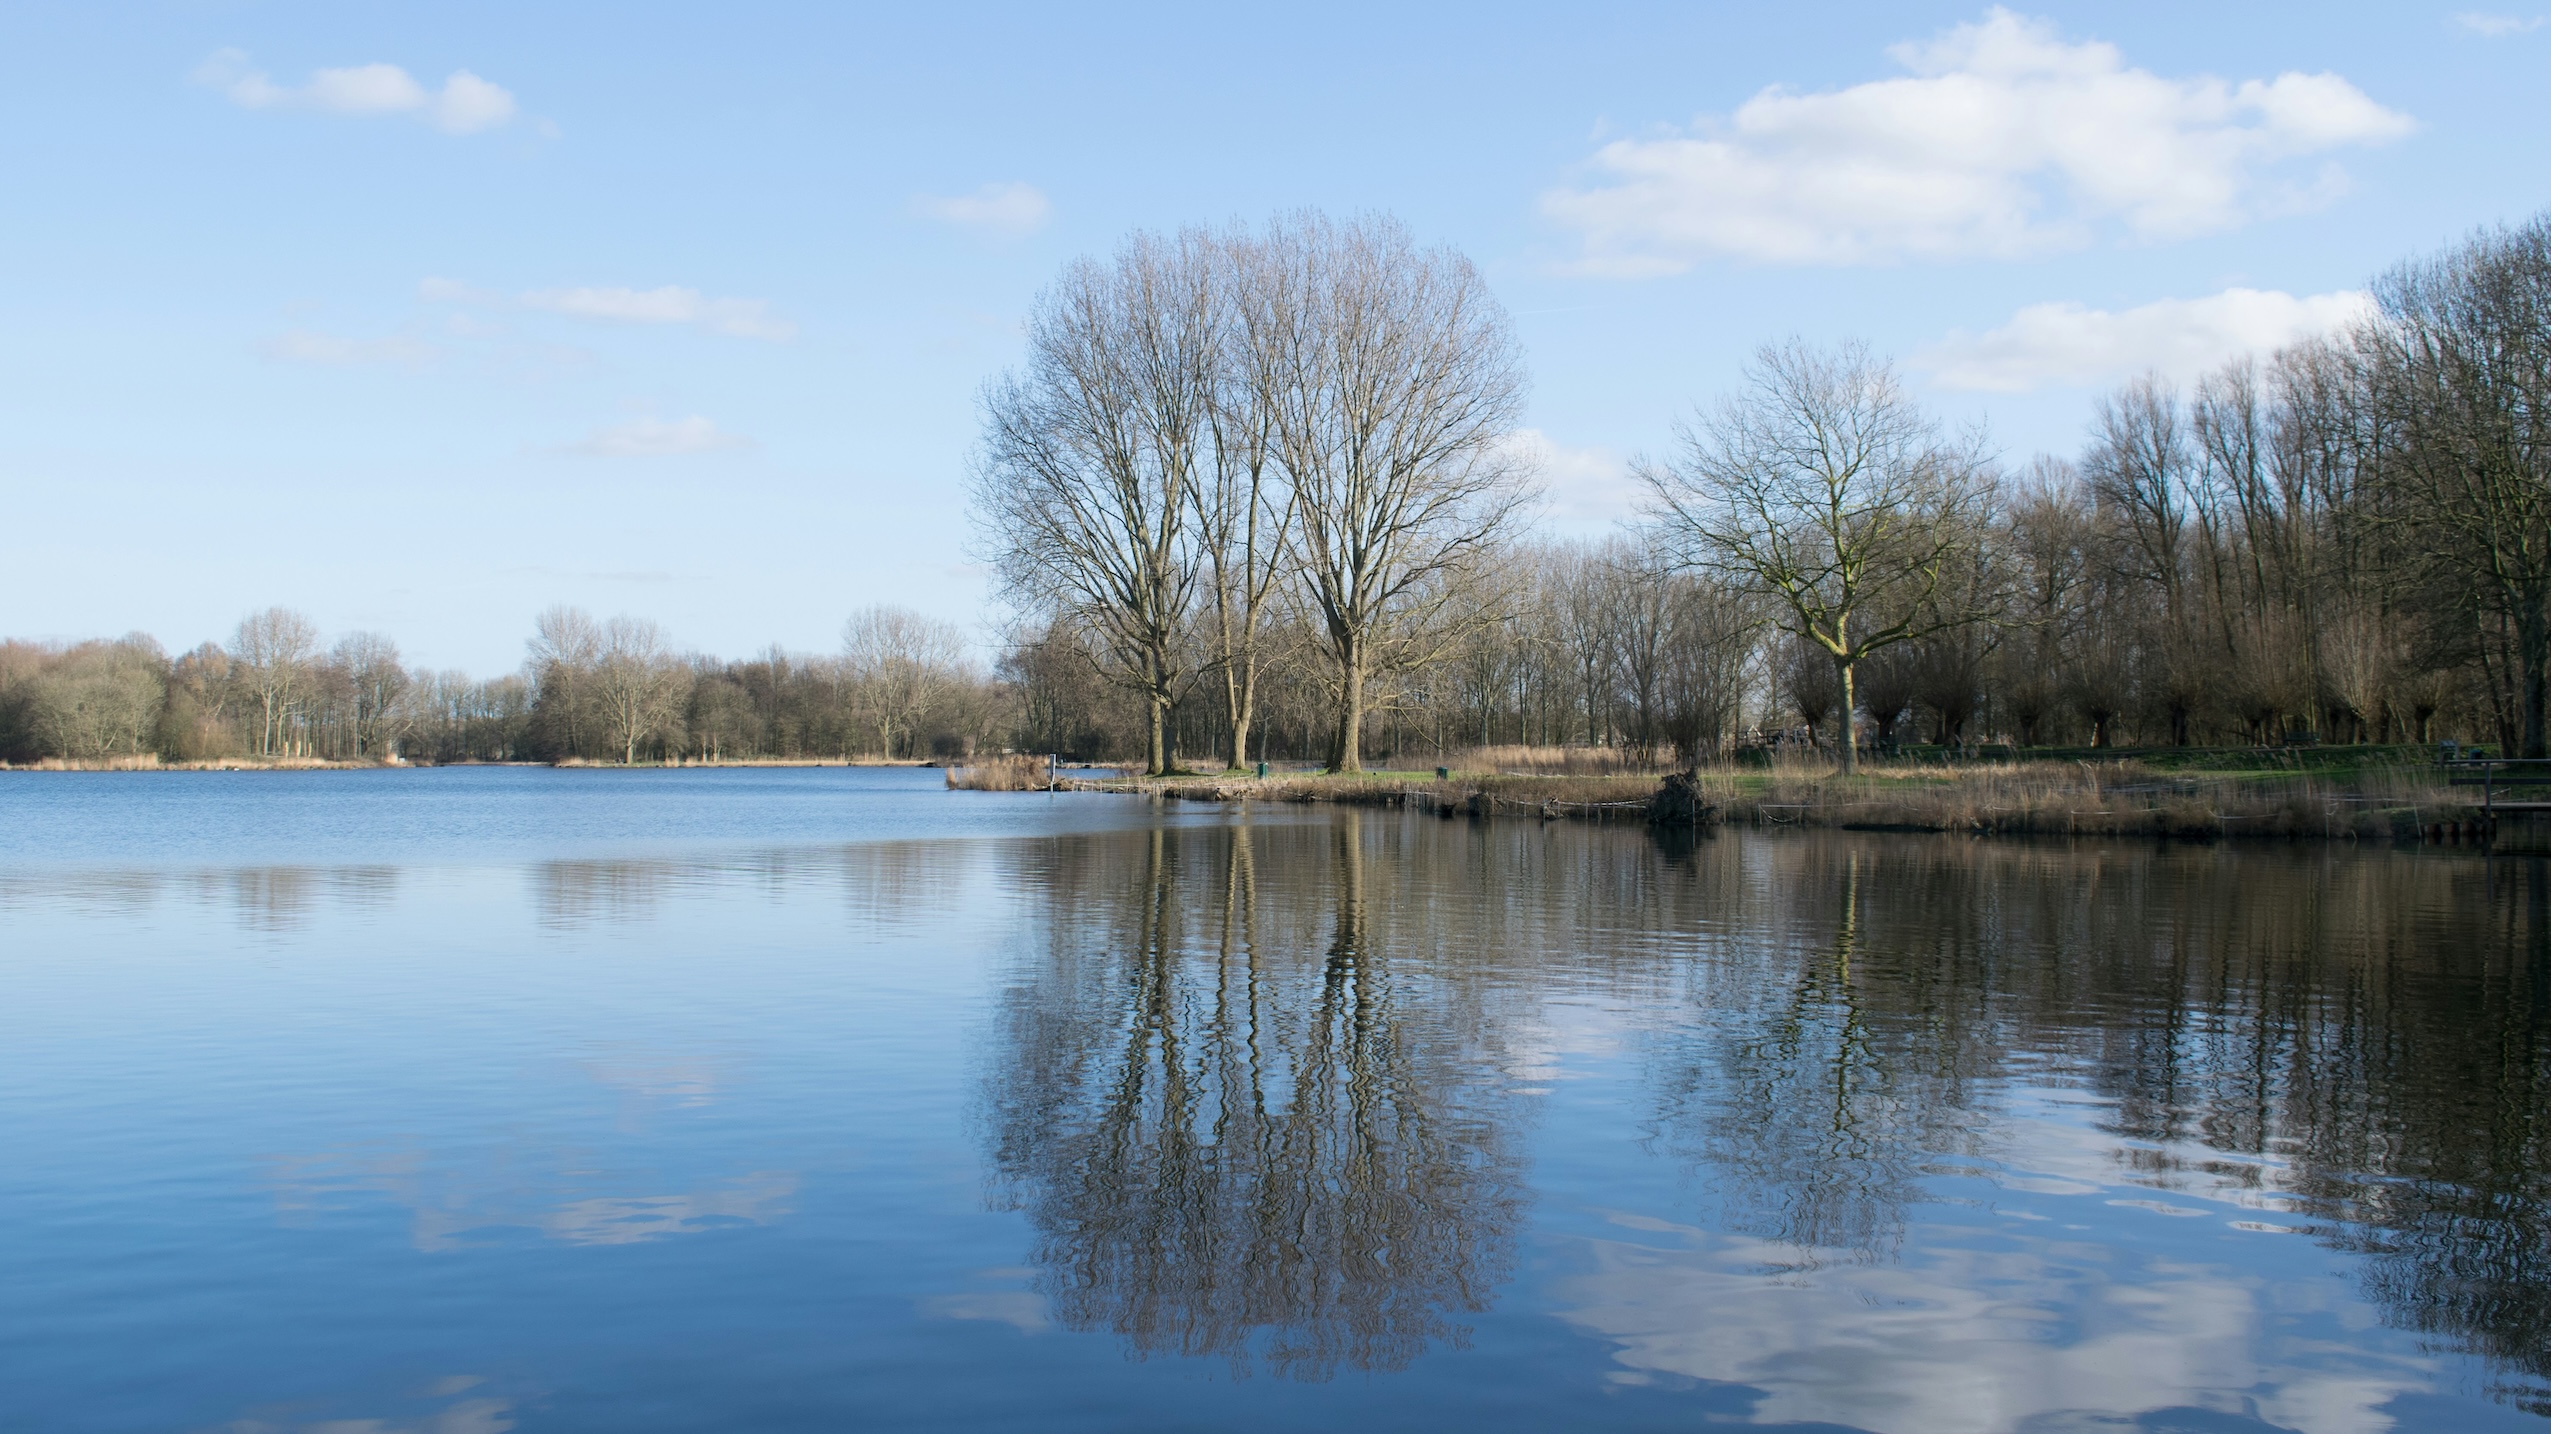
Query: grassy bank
[{"x": 2395, "y": 800}]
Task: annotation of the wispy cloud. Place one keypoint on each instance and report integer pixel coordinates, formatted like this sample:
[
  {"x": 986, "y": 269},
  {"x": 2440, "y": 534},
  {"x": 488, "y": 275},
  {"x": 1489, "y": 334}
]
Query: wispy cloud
[
  {"x": 465, "y": 104},
  {"x": 2477, "y": 22},
  {"x": 312, "y": 347},
  {"x": 1013, "y": 210},
  {"x": 658, "y": 438},
  {"x": 1584, "y": 485},
  {"x": 2068, "y": 344},
  {"x": 2002, "y": 140},
  {"x": 671, "y": 304}
]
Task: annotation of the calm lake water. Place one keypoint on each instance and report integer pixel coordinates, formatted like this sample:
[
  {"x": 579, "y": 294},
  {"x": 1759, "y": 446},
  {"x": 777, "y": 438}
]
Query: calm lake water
[{"x": 475, "y": 1100}]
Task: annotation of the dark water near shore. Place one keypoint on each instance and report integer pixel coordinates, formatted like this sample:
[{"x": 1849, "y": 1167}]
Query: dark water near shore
[{"x": 473, "y": 1101}]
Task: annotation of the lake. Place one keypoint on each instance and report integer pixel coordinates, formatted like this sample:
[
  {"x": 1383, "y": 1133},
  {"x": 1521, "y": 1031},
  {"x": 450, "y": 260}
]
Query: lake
[{"x": 474, "y": 1100}]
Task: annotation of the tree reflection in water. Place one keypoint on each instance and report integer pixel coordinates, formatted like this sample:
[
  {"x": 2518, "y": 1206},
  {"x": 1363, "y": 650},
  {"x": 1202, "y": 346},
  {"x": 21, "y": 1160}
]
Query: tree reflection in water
[
  {"x": 1812, "y": 1118},
  {"x": 1238, "y": 1124},
  {"x": 1254, "y": 1086},
  {"x": 2360, "y": 1042}
]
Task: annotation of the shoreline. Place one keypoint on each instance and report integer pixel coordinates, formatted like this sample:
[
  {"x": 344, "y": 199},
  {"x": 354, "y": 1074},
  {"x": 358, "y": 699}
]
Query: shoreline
[
  {"x": 2389, "y": 801},
  {"x": 2046, "y": 799},
  {"x": 329, "y": 764}
]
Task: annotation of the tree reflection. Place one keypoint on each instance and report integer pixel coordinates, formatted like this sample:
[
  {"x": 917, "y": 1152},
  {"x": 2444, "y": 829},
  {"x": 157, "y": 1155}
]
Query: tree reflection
[
  {"x": 1249, "y": 1087},
  {"x": 2363, "y": 1042},
  {"x": 1237, "y": 1128},
  {"x": 1808, "y": 1099}
]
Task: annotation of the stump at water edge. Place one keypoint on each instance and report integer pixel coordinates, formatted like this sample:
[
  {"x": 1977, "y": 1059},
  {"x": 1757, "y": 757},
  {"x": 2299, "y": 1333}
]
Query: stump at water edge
[{"x": 1679, "y": 803}]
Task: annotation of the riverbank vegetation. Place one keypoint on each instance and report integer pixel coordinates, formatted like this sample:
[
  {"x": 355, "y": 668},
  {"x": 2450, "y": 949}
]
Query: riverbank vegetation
[
  {"x": 2393, "y": 792},
  {"x": 1261, "y": 496}
]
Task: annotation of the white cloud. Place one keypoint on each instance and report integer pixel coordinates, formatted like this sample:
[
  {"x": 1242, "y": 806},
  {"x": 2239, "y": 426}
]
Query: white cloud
[
  {"x": 469, "y": 104},
  {"x": 2003, "y": 140},
  {"x": 309, "y": 346},
  {"x": 1977, "y": 1335},
  {"x": 658, "y": 438},
  {"x": 741, "y": 318},
  {"x": 1580, "y": 485},
  {"x": 2062, "y": 344},
  {"x": 453, "y": 291},
  {"x": 2478, "y": 23},
  {"x": 1010, "y": 210},
  {"x": 465, "y": 105},
  {"x": 363, "y": 90}
]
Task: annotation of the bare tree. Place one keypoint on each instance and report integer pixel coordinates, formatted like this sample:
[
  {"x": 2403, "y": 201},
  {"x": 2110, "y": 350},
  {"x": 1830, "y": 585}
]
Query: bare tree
[
  {"x": 2142, "y": 467},
  {"x": 99, "y": 699},
  {"x": 374, "y": 679},
  {"x": 1823, "y": 485},
  {"x": 1244, "y": 510},
  {"x": 2462, "y": 372},
  {"x": 639, "y": 683},
  {"x": 1397, "y": 384},
  {"x": 1803, "y": 674},
  {"x": 1639, "y": 615},
  {"x": 905, "y": 666},
  {"x": 1712, "y": 631},
  {"x": 566, "y": 651},
  {"x": 2048, "y": 531},
  {"x": 271, "y": 653},
  {"x": 1583, "y": 587},
  {"x": 1087, "y": 481}
]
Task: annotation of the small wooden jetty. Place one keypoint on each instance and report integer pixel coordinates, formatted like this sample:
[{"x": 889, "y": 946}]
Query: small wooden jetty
[{"x": 2520, "y": 820}]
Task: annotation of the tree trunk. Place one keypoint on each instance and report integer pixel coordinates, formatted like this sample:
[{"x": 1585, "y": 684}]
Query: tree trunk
[
  {"x": 1158, "y": 756},
  {"x": 2533, "y": 655},
  {"x": 1240, "y": 696},
  {"x": 1349, "y": 754},
  {"x": 1850, "y": 743}
]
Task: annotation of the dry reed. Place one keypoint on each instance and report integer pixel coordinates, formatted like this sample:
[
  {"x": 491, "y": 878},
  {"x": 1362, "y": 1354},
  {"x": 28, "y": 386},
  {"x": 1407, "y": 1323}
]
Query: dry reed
[
  {"x": 1513, "y": 761},
  {"x": 1002, "y": 774},
  {"x": 2094, "y": 799},
  {"x": 2116, "y": 798},
  {"x": 153, "y": 762}
]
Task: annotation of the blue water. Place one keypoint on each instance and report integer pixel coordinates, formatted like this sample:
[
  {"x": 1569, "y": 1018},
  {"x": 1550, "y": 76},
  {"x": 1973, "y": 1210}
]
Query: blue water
[{"x": 477, "y": 1100}]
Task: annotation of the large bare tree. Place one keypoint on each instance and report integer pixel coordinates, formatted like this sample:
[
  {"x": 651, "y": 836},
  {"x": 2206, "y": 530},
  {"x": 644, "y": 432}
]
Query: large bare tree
[
  {"x": 1395, "y": 386},
  {"x": 271, "y": 653},
  {"x": 375, "y": 679},
  {"x": 1244, "y": 509},
  {"x": 904, "y": 666},
  {"x": 1086, "y": 486},
  {"x": 565, "y": 650},
  {"x": 639, "y": 683},
  {"x": 1821, "y": 484}
]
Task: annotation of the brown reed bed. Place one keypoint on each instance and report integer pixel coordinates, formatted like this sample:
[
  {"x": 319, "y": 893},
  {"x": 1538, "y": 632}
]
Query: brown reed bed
[
  {"x": 2098, "y": 799},
  {"x": 1001, "y": 774},
  {"x": 2112, "y": 799},
  {"x": 1516, "y": 761},
  {"x": 1624, "y": 798}
]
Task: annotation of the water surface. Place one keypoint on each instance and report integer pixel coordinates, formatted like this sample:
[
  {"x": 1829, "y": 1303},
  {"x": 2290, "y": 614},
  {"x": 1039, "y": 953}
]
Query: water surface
[{"x": 473, "y": 1101}]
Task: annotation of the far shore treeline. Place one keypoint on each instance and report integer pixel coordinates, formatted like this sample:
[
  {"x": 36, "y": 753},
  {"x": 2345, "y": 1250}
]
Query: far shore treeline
[{"x": 1259, "y": 494}]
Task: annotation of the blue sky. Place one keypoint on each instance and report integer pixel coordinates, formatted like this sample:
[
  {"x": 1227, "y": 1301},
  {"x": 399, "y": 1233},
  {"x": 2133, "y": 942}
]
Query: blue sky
[{"x": 421, "y": 318}]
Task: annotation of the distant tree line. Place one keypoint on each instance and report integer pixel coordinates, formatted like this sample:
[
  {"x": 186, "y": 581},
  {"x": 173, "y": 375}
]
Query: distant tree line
[
  {"x": 1257, "y": 495},
  {"x": 616, "y": 690}
]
